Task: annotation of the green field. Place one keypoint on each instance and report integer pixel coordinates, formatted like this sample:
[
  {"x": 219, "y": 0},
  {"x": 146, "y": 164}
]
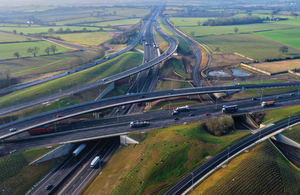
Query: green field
[
  {"x": 128, "y": 12},
  {"x": 162, "y": 157},
  {"x": 164, "y": 85},
  {"x": 263, "y": 170},
  {"x": 92, "y": 38},
  {"x": 111, "y": 67},
  {"x": 7, "y": 37},
  {"x": 294, "y": 133},
  {"x": 217, "y": 30},
  {"x": 288, "y": 37},
  {"x": 250, "y": 45},
  {"x": 7, "y": 50},
  {"x": 78, "y": 20},
  {"x": 116, "y": 22},
  {"x": 16, "y": 176},
  {"x": 24, "y": 25},
  {"x": 187, "y": 21},
  {"x": 32, "y": 30},
  {"x": 161, "y": 41},
  {"x": 281, "y": 113}
]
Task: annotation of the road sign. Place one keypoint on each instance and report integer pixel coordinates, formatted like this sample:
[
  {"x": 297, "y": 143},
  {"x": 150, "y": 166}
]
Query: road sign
[
  {"x": 258, "y": 92},
  {"x": 233, "y": 82}
]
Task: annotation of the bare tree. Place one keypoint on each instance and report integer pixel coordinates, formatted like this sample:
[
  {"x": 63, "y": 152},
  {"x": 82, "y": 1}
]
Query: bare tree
[
  {"x": 47, "y": 50},
  {"x": 16, "y": 54},
  {"x": 236, "y": 29},
  {"x": 34, "y": 50},
  {"x": 53, "y": 49}
]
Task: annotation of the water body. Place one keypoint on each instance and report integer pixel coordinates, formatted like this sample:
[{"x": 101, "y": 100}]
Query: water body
[
  {"x": 239, "y": 73},
  {"x": 218, "y": 74}
]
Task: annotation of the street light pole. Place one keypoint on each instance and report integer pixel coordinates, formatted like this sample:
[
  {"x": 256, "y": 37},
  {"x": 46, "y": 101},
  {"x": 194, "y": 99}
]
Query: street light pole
[
  {"x": 228, "y": 154},
  {"x": 58, "y": 104},
  {"x": 169, "y": 108},
  {"x": 77, "y": 87},
  {"x": 3, "y": 146},
  {"x": 289, "y": 121},
  {"x": 298, "y": 91},
  {"x": 192, "y": 181},
  {"x": 261, "y": 96},
  {"x": 49, "y": 92}
]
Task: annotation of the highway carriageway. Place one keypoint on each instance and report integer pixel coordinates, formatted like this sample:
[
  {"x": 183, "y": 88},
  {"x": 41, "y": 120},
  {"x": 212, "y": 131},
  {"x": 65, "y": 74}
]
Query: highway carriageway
[
  {"x": 68, "y": 112},
  {"x": 208, "y": 167},
  {"x": 127, "y": 73}
]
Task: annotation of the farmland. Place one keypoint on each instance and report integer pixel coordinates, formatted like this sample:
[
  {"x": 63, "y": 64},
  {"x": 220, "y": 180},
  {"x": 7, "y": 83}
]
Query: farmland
[
  {"x": 7, "y": 50},
  {"x": 187, "y": 21},
  {"x": 278, "y": 66},
  {"x": 159, "y": 161},
  {"x": 261, "y": 171},
  {"x": 116, "y": 22},
  {"x": 113, "y": 66},
  {"x": 33, "y": 29},
  {"x": 250, "y": 45},
  {"x": 92, "y": 38},
  {"x": 288, "y": 37},
  {"x": 128, "y": 12},
  {"x": 217, "y": 30},
  {"x": 8, "y": 37},
  {"x": 78, "y": 20}
]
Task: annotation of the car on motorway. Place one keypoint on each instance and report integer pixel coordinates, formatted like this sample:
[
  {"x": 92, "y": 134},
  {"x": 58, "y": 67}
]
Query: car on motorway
[
  {"x": 176, "y": 119},
  {"x": 175, "y": 112},
  {"x": 104, "y": 79},
  {"x": 12, "y": 129},
  {"x": 48, "y": 187},
  {"x": 117, "y": 110},
  {"x": 254, "y": 98},
  {"x": 207, "y": 114},
  {"x": 123, "y": 107},
  {"x": 76, "y": 70},
  {"x": 292, "y": 94},
  {"x": 191, "y": 114},
  {"x": 279, "y": 97},
  {"x": 142, "y": 96},
  {"x": 68, "y": 72},
  {"x": 59, "y": 115}
]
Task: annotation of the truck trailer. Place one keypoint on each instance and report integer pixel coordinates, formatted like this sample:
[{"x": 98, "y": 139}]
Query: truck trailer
[
  {"x": 232, "y": 108},
  {"x": 78, "y": 150},
  {"x": 267, "y": 103},
  {"x": 139, "y": 124},
  {"x": 95, "y": 161},
  {"x": 39, "y": 131},
  {"x": 182, "y": 109}
]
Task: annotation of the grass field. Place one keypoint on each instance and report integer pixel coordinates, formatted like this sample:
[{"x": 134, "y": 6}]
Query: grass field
[
  {"x": 294, "y": 133},
  {"x": 167, "y": 70},
  {"x": 161, "y": 41},
  {"x": 111, "y": 67},
  {"x": 218, "y": 30},
  {"x": 178, "y": 67},
  {"x": 250, "y": 45},
  {"x": 159, "y": 161},
  {"x": 78, "y": 20},
  {"x": 278, "y": 66},
  {"x": 183, "y": 46},
  {"x": 183, "y": 21},
  {"x": 7, "y": 50},
  {"x": 92, "y": 38},
  {"x": 17, "y": 25},
  {"x": 7, "y": 37},
  {"x": 32, "y": 30},
  {"x": 263, "y": 170},
  {"x": 16, "y": 176},
  {"x": 117, "y": 22},
  {"x": 288, "y": 37},
  {"x": 251, "y": 82},
  {"x": 164, "y": 85},
  {"x": 27, "y": 69},
  {"x": 281, "y": 113},
  {"x": 128, "y": 12}
]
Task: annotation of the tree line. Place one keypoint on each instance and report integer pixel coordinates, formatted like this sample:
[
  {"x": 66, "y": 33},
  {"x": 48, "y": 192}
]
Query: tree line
[
  {"x": 218, "y": 126},
  {"x": 35, "y": 50},
  {"x": 233, "y": 21}
]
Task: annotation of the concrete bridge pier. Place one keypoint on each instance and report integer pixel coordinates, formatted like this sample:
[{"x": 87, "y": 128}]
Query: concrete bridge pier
[
  {"x": 283, "y": 139},
  {"x": 124, "y": 140}
]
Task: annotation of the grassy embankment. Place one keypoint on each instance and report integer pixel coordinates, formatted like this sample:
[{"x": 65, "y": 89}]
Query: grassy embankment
[
  {"x": 251, "y": 82},
  {"x": 161, "y": 41},
  {"x": 183, "y": 46},
  {"x": 263, "y": 170},
  {"x": 7, "y": 37},
  {"x": 294, "y": 133},
  {"x": 28, "y": 69},
  {"x": 159, "y": 161},
  {"x": 16, "y": 176},
  {"x": 111, "y": 67},
  {"x": 8, "y": 49},
  {"x": 281, "y": 113}
]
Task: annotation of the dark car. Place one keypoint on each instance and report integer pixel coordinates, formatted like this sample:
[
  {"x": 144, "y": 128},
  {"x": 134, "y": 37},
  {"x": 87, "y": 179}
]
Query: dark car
[
  {"x": 292, "y": 94},
  {"x": 142, "y": 96},
  {"x": 254, "y": 98},
  {"x": 191, "y": 114},
  {"x": 48, "y": 187},
  {"x": 279, "y": 97},
  {"x": 176, "y": 119}
]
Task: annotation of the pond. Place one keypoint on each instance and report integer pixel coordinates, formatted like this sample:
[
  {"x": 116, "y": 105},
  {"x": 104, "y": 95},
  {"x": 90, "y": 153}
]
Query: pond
[
  {"x": 218, "y": 74},
  {"x": 239, "y": 73}
]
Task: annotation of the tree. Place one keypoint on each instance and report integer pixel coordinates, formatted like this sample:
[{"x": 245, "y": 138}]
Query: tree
[
  {"x": 68, "y": 30},
  {"x": 84, "y": 29},
  {"x": 199, "y": 23},
  {"x": 100, "y": 28},
  {"x": 16, "y": 54},
  {"x": 53, "y": 49},
  {"x": 21, "y": 33},
  {"x": 217, "y": 49},
  {"x": 91, "y": 14},
  {"x": 249, "y": 14},
  {"x": 28, "y": 39},
  {"x": 47, "y": 50},
  {"x": 34, "y": 50},
  {"x": 133, "y": 15},
  {"x": 60, "y": 30},
  {"x": 236, "y": 29},
  {"x": 115, "y": 12},
  {"x": 15, "y": 31},
  {"x": 192, "y": 33},
  {"x": 51, "y": 31},
  {"x": 284, "y": 49}
]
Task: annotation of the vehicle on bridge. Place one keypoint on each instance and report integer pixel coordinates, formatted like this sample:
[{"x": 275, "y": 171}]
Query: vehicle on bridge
[
  {"x": 78, "y": 150},
  {"x": 39, "y": 131},
  {"x": 95, "y": 161},
  {"x": 268, "y": 103},
  {"x": 139, "y": 124},
  {"x": 182, "y": 109},
  {"x": 232, "y": 108}
]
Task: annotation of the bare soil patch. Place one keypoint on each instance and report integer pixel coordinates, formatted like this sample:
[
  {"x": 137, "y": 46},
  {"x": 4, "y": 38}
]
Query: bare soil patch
[
  {"x": 227, "y": 59},
  {"x": 278, "y": 66}
]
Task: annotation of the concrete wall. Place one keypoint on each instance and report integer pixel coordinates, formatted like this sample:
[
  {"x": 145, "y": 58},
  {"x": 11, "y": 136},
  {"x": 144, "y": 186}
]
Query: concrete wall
[
  {"x": 290, "y": 71},
  {"x": 106, "y": 91},
  {"x": 58, "y": 152},
  {"x": 262, "y": 71},
  {"x": 127, "y": 140},
  {"x": 283, "y": 139}
]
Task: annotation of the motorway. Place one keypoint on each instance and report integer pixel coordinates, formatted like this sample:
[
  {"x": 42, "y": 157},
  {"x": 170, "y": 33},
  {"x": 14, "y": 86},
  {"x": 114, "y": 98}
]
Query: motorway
[
  {"x": 68, "y": 112},
  {"x": 120, "y": 125},
  {"x": 211, "y": 164}
]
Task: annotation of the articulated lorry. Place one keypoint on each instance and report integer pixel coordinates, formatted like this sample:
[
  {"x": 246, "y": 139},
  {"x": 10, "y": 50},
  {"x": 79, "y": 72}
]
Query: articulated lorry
[
  {"x": 267, "y": 103},
  {"x": 139, "y": 124},
  {"x": 182, "y": 109},
  {"x": 78, "y": 150}
]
